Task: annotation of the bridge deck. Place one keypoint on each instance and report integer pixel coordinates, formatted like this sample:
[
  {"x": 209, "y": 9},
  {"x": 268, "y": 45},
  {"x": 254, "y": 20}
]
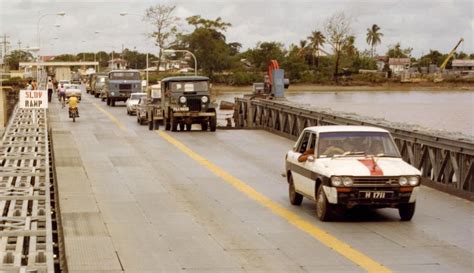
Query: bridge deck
[{"x": 131, "y": 201}]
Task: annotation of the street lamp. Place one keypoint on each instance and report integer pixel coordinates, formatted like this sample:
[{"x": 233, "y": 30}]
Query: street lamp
[
  {"x": 95, "y": 53},
  {"x": 61, "y": 13},
  {"x": 134, "y": 14},
  {"x": 184, "y": 51}
]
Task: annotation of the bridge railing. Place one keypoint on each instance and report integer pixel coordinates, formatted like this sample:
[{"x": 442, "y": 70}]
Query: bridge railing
[
  {"x": 446, "y": 164},
  {"x": 26, "y": 232}
]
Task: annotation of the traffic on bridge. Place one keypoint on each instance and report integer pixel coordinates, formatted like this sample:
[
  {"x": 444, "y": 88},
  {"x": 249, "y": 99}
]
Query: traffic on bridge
[{"x": 198, "y": 156}]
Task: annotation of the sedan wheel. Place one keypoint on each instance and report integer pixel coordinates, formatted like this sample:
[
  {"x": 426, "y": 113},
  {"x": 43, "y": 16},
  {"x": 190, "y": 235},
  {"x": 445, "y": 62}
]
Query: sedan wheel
[
  {"x": 295, "y": 198},
  {"x": 406, "y": 211},
  {"x": 323, "y": 208}
]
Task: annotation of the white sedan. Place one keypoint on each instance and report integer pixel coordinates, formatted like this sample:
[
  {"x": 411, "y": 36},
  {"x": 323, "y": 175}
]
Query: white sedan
[
  {"x": 132, "y": 102},
  {"x": 340, "y": 167}
]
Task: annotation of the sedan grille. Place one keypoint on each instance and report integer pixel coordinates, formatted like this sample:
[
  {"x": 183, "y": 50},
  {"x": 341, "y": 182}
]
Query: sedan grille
[{"x": 387, "y": 181}]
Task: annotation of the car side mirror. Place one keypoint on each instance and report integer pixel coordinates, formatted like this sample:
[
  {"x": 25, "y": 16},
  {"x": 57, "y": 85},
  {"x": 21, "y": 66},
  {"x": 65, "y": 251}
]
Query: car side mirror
[{"x": 311, "y": 158}]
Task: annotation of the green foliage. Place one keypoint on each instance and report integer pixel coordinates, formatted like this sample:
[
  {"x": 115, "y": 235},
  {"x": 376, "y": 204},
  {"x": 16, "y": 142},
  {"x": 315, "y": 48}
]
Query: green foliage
[
  {"x": 14, "y": 58},
  {"x": 66, "y": 58},
  {"x": 397, "y": 51},
  {"x": 294, "y": 65},
  {"x": 261, "y": 55},
  {"x": 208, "y": 43},
  {"x": 238, "y": 78}
]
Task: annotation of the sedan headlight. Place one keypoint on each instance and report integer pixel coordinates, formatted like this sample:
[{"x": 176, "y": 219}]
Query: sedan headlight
[
  {"x": 403, "y": 181},
  {"x": 182, "y": 100},
  {"x": 336, "y": 181},
  {"x": 204, "y": 99},
  {"x": 347, "y": 181},
  {"x": 413, "y": 180}
]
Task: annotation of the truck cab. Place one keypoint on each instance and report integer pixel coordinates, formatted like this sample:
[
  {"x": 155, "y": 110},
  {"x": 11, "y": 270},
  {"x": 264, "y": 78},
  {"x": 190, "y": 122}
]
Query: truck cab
[
  {"x": 186, "y": 101},
  {"x": 120, "y": 84}
]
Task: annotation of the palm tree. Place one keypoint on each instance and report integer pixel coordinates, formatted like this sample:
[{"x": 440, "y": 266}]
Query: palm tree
[
  {"x": 316, "y": 40},
  {"x": 373, "y": 37}
]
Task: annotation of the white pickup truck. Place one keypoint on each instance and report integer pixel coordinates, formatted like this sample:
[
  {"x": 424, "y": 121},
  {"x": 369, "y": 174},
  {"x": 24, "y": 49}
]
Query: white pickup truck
[{"x": 340, "y": 167}]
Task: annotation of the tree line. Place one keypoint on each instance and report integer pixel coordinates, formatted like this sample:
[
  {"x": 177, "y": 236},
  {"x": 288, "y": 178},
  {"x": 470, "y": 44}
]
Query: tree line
[{"x": 225, "y": 61}]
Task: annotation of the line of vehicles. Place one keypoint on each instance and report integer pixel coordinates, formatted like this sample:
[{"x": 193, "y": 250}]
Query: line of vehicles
[
  {"x": 176, "y": 102},
  {"x": 338, "y": 167}
]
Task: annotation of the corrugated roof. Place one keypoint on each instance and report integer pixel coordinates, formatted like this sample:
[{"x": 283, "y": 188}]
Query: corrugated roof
[
  {"x": 463, "y": 62},
  {"x": 399, "y": 61}
]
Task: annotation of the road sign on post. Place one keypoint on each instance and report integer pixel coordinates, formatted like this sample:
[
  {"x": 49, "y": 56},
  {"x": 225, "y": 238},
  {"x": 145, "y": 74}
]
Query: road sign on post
[{"x": 34, "y": 99}]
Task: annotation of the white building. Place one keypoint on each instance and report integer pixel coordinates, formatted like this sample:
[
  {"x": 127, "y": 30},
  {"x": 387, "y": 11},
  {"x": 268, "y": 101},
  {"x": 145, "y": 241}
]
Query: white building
[{"x": 398, "y": 65}]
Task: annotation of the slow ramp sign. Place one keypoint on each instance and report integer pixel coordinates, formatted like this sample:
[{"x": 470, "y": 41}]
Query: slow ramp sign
[{"x": 34, "y": 99}]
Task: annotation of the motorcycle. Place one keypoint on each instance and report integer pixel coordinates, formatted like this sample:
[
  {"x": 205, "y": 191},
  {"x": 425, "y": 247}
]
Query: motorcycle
[{"x": 73, "y": 113}]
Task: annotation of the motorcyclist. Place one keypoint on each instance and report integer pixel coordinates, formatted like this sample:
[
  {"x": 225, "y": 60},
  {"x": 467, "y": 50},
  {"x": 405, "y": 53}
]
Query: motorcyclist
[{"x": 73, "y": 101}]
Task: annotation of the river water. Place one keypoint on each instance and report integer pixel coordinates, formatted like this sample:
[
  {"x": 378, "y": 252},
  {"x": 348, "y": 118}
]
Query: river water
[{"x": 452, "y": 111}]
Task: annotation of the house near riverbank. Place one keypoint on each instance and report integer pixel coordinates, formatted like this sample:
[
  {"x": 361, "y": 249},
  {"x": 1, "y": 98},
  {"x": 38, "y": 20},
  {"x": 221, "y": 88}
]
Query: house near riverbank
[
  {"x": 463, "y": 66},
  {"x": 399, "y": 65}
]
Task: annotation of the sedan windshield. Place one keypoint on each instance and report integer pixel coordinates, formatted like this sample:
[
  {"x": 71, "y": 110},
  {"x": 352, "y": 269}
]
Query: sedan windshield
[{"x": 356, "y": 144}]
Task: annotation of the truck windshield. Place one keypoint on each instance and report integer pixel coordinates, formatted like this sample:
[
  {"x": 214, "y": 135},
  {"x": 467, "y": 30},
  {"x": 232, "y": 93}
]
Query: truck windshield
[
  {"x": 189, "y": 86},
  {"x": 124, "y": 76},
  {"x": 356, "y": 144}
]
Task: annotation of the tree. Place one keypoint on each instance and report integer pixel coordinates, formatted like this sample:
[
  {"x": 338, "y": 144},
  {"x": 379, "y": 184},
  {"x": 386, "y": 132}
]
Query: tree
[
  {"x": 295, "y": 63},
  {"x": 14, "y": 58},
  {"x": 165, "y": 26},
  {"x": 261, "y": 55},
  {"x": 316, "y": 40},
  {"x": 338, "y": 33},
  {"x": 397, "y": 51},
  {"x": 373, "y": 37},
  {"x": 208, "y": 43},
  {"x": 66, "y": 58}
]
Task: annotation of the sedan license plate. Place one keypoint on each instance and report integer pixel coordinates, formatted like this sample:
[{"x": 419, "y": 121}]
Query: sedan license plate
[
  {"x": 375, "y": 194},
  {"x": 181, "y": 109}
]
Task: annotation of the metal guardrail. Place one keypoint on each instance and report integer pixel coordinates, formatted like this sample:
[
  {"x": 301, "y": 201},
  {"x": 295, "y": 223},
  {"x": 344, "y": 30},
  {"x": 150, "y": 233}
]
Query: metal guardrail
[
  {"x": 447, "y": 163},
  {"x": 26, "y": 234}
]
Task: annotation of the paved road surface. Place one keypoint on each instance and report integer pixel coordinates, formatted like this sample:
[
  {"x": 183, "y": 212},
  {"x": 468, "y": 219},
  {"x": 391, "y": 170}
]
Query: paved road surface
[{"x": 133, "y": 200}]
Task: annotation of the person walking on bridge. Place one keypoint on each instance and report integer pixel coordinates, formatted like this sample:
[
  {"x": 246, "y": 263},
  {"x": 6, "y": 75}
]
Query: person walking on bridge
[{"x": 50, "y": 87}]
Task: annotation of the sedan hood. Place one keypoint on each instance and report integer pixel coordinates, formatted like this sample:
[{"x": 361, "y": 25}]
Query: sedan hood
[{"x": 360, "y": 166}]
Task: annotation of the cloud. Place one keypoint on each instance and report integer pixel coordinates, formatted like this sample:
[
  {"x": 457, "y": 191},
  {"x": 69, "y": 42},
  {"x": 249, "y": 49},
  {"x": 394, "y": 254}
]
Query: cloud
[{"x": 420, "y": 24}]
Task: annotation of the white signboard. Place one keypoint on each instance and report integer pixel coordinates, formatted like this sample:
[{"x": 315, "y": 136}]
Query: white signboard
[{"x": 33, "y": 99}]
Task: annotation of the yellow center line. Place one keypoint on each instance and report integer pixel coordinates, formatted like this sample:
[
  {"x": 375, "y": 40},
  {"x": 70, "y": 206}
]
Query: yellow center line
[
  {"x": 319, "y": 234},
  {"x": 110, "y": 116}
]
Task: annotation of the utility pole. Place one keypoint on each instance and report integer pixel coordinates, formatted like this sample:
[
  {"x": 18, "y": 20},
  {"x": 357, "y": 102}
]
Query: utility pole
[
  {"x": 19, "y": 45},
  {"x": 5, "y": 44}
]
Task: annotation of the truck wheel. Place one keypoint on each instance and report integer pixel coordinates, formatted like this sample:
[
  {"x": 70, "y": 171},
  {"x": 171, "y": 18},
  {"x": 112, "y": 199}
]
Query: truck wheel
[
  {"x": 157, "y": 125},
  {"x": 151, "y": 123},
  {"x": 188, "y": 126},
  {"x": 174, "y": 123},
  {"x": 213, "y": 123},
  {"x": 138, "y": 118},
  {"x": 108, "y": 101},
  {"x": 323, "y": 208},
  {"x": 112, "y": 102},
  {"x": 295, "y": 198},
  {"x": 204, "y": 125},
  {"x": 167, "y": 124},
  {"x": 406, "y": 211},
  {"x": 181, "y": 126}
]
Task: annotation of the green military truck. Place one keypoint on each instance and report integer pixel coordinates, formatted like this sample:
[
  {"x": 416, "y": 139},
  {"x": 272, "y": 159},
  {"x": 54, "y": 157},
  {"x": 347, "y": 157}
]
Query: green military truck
[{"x": 186, "y": 101}]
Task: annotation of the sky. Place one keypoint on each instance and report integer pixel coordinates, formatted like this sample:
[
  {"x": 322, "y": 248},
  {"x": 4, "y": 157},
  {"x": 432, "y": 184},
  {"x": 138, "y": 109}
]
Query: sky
[{"x": 419, "y": 24}]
